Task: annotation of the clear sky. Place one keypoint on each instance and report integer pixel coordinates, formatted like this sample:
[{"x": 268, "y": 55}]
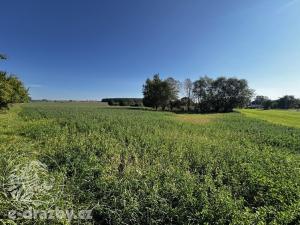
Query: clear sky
[{"x": 91, "y": 49}]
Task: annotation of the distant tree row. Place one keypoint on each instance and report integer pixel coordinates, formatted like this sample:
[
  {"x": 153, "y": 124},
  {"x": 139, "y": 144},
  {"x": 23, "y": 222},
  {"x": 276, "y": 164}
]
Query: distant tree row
[
  {"x": 203, "y": 95},
  {"x": 12, "y": 90},
  {"x": 285, "y": 102},
  {"x": 123, "y": 101}
]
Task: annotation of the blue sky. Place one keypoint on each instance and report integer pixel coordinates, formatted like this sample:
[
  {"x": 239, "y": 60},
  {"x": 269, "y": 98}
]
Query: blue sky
[{"x": 94, "y": 49}]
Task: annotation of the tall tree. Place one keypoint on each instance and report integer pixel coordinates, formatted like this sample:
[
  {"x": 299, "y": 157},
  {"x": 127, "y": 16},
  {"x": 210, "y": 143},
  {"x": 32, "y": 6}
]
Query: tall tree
[
  {"x": 160, "y": 93},
  {"x": 5, "y": 90},
  {"x": 12, "y": 90},
  {"x": 234, "y": 93},
  {"x": 19, "y": 92},
  {"x": 174, "y": 87},
  {"x": 151, "y": 91},
  {"x": 188, "y": 89},
  {"x": 222, "y": 94},
  {"x": 202, "y": 90}
]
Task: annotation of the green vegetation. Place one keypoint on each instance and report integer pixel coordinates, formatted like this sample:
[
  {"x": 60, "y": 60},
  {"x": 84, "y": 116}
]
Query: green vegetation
[
  {"x": 284, "y": 117},
  {"x": 160, "y": 93},
  {"x": 286, "y": 102},
  {"x": 12, "y": 89},
  {"x": 123, "y": 101},
  {"x": 206, "y": 94},
  {"x": 146, "y": 167}
]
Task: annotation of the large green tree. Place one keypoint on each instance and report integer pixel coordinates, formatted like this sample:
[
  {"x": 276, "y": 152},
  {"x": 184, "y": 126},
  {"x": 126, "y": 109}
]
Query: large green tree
[
  {"x": 19, "y": 92},
  {"x": 160, "y": 93},
  {"x": 12, "y": 90},
  {"x": 5, "y": 90},
  {"x": 202, "y": 91},
  {"x": 222, "y": 94}
]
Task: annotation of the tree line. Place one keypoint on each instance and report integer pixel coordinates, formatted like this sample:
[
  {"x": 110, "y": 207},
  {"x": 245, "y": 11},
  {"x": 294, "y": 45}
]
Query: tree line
[
  {"x": 123, "y": 101},
  {"x": 204, "y": 95},
  {"x": 12, "y": 89},
  {"x": 285, "y": 102}
]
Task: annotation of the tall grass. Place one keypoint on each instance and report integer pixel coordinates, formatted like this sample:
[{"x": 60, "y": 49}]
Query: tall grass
[{"x": 144, "y": 167}]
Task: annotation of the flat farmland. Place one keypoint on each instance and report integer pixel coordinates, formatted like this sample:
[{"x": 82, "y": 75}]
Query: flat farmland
[{"x": 145, "y": 167}]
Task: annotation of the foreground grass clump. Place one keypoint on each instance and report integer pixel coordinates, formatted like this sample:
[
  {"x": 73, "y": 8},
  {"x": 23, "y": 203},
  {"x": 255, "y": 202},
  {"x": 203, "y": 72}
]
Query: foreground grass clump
[
  {"x": 283, "y": 117},
  {"x": 144, "y": 167}
]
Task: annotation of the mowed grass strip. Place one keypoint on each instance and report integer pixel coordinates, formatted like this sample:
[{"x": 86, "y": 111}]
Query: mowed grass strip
[{"x": 283, "y": 117}]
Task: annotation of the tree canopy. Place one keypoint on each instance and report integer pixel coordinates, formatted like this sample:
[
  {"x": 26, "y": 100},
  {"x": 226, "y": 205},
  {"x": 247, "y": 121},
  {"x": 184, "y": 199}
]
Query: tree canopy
[
  {"x": 206, "y": 94},
  {"x": 222, "y": 94},
  {"x": 160, "y": 93},
  {"x": 285, "y": 102},
  {"x": 288, "y": 102},
  {"x": 123, "y": 101},
  {"x": 12, "y": 90},
  {"x": 188, "y": 88}
]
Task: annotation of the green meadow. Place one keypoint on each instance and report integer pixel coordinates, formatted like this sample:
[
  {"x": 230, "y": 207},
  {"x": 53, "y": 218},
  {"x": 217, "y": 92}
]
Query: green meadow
[
  {"x": 283, "y": 117},
  {"x": 135, "y": 166}
]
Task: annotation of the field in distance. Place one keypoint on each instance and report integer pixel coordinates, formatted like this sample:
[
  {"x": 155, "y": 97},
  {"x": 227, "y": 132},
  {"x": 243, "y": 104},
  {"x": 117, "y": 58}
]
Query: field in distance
[
  {"x": 283, "y": 117},
  {"x": 146, "y": 167}
]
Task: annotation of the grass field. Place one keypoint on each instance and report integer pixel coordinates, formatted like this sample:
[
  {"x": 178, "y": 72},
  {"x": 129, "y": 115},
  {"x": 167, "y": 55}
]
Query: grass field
[
  {"x": 145, "y": 167},
  {"x": 282, "y": 117}
]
